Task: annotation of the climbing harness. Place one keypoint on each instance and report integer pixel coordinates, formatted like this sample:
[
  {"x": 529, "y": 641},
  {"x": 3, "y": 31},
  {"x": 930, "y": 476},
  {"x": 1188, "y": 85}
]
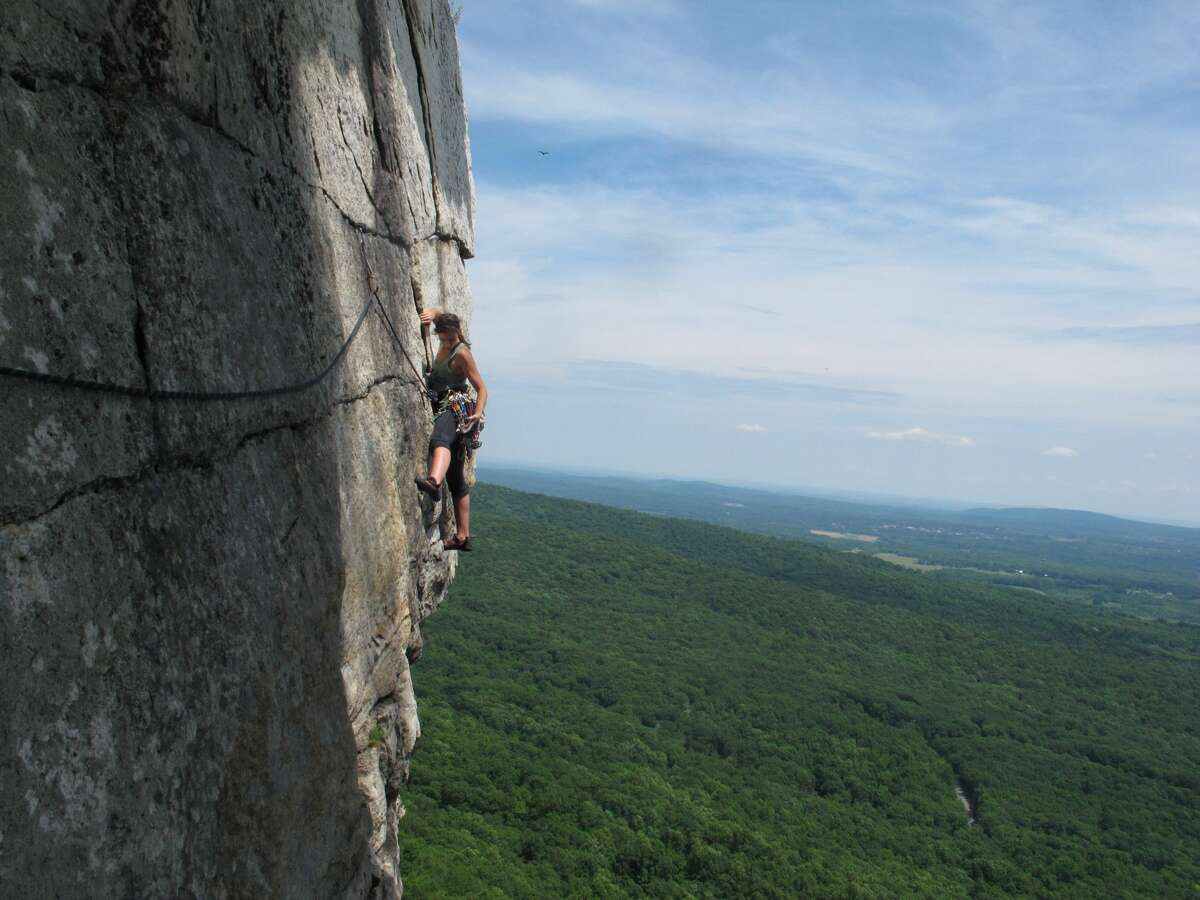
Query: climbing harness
[
  {"x": 449, "y": 393},
  {"x": 462, "y": 407}
]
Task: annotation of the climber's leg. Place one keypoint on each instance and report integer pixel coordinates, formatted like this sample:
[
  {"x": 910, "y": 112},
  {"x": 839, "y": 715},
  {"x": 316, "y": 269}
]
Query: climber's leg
[
  {"x": 445, "y": 433},
  {"x": 462, "y": 516},
  {"x": 456, "y": 480},
  {"x": 439, "y": 462}
]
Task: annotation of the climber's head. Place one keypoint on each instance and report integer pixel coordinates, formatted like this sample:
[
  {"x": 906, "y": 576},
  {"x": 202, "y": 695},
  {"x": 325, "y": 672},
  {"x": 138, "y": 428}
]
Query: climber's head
[{"x": 448, "y": 327}]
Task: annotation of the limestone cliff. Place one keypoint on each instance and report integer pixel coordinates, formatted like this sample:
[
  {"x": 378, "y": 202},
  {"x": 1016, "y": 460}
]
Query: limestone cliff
[{"x": 208, "y": 610}]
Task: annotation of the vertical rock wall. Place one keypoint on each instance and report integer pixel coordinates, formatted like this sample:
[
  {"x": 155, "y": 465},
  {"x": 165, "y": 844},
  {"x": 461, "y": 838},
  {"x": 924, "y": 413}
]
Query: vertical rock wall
[{"x": 208, "y": 611}]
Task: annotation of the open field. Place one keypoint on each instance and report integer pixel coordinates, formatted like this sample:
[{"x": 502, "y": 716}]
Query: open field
[
  {"x": 907, "y": 562},
  {"x": 843, "y": 536}
]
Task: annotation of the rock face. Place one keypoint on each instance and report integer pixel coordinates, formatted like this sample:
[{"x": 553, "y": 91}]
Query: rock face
[{"x": 208, "y": 610}]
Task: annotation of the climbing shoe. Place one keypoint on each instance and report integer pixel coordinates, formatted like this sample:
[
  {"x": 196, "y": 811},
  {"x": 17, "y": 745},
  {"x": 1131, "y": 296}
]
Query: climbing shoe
[
  {"x": 429, "y": 486},
  {"x": 455, "y": 544}
]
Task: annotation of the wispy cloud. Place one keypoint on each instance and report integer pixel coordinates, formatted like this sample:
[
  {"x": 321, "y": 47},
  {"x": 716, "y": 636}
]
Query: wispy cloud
[
  {"x": 610, "y": 375},
  {"x": 982, "y": 216},
  {"x": 922, "y": 435},
  {"x": 618, "y": 269},
  {"x": 1061, "y": 452},
  {"x": 1142, "y": 335},
  {"x": 762, "y": 311},
  {"x": 755, "y": 429},
  {"x": 1181, "y": 398},
  {"x": 653, "y": 91}
]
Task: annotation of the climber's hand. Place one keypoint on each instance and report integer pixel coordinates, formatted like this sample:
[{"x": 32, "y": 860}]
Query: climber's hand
[
  {"x": 468, "y": 423},
  {"x": 428, "y": 315}
]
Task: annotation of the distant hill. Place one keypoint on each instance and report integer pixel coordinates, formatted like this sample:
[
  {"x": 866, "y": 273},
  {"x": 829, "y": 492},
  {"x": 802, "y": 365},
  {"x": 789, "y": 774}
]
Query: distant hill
[
  {"x": 1138, "y": 568},
  {"x": 1080, "y": 523}
]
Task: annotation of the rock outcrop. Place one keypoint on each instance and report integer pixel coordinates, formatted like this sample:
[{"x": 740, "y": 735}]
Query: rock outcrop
[{"x": 208, "y": 610}]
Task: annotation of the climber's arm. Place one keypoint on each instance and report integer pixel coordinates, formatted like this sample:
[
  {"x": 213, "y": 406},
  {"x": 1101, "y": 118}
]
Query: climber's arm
[
  {"x": 429, "y": 313},
  {"x": 476, "y": 379}
]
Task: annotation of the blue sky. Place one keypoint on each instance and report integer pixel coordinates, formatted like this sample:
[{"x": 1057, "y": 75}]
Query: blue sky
[{"x": 942, "y": 249}]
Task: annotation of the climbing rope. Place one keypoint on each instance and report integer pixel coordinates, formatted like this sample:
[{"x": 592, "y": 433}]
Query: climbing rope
[
  {"x": 150, "y": 393},
  {"x": 374, "y": 289}
]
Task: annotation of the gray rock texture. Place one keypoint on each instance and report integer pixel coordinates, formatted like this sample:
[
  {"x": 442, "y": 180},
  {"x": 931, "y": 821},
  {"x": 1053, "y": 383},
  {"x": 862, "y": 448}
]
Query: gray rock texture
[{"x": 208, "y": 610}]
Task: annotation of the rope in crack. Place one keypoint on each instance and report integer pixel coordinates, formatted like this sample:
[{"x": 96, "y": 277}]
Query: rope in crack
[
  {"x": 373, "y": 287},
  {"x": 151, "y": 393}
]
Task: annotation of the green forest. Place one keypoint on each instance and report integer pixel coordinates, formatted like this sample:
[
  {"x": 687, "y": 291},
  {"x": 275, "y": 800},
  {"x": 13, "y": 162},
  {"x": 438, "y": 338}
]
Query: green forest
[
  {"x": 623, "y": 705},
  {"x": 1139, "y": 568}
]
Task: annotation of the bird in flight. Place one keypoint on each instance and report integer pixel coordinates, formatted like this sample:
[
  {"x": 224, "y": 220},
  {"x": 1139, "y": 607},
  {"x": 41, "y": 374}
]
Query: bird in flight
[{"x": 544, "y": 152}]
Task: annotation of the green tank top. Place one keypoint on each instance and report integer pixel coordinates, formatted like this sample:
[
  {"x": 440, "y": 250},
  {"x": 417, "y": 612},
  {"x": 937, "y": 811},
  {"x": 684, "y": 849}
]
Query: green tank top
[{"x": 442, "y": 378}]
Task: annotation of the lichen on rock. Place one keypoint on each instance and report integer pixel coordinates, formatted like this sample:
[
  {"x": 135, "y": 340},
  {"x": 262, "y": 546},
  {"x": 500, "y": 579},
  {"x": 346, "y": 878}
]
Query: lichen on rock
[{"x": 208, "y": 611}]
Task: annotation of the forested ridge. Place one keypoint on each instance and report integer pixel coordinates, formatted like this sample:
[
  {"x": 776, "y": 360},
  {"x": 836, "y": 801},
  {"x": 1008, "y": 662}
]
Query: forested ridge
[
  {"x": 1140, "y": 568},
  {"x": 620, "y": 705}
]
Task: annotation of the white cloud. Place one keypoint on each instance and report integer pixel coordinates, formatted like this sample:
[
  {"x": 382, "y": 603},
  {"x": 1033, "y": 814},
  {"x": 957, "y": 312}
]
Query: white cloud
[
  {"x": 945, "y": 223},
  {"x": 923, "y": 435},
  {"x": 758, "y": 429},
  {"x": 644, "y": 84},
  {"x": 617, "y": 268}
]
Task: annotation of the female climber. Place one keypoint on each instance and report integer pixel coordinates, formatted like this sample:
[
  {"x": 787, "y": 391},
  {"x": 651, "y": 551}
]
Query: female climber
[{"x": 455, "y": 422}]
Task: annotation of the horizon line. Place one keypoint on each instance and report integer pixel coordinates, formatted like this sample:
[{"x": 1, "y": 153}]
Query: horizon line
[{"x": 943, "y": 503}]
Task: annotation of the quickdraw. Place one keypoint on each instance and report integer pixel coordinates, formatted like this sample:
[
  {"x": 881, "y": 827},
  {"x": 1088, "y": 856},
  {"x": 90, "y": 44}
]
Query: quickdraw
[{"x": 461, "y": 406}]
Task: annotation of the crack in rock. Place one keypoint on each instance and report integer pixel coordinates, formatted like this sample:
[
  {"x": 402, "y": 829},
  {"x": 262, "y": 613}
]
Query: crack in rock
[
  {"x": 361, "y": 176},
  {"x": 410, "y": 21},
  {"x": 181, "y": 463}
]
